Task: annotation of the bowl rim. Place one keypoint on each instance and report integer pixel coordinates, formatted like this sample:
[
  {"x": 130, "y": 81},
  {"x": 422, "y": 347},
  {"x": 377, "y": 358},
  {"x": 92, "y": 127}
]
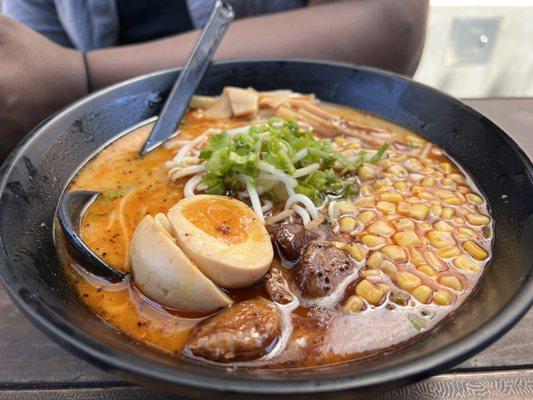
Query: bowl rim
[{"x": 75, "y": 340}]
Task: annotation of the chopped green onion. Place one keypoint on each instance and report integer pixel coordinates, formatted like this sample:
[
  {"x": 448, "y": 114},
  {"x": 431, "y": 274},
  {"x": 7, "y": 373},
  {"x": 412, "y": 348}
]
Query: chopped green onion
[
  {"x": 116, "y": 193},
  {"x": 376, "y": 157},
  {"x": 416, "y": 323},
  {"x": 276, "y": 143}
]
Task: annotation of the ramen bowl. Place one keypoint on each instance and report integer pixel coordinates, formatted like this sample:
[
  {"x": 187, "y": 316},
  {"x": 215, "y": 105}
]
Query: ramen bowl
[{"x": 37, "y": 172}]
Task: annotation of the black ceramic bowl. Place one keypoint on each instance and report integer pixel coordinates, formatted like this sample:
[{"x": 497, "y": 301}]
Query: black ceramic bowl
[{"x": 36, "y": 173}]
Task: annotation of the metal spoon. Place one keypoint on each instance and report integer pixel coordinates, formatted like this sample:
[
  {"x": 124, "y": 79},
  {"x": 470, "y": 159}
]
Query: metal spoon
[
  {"x": 72, "y": 205},
  {"x": 189, "y": 78}
]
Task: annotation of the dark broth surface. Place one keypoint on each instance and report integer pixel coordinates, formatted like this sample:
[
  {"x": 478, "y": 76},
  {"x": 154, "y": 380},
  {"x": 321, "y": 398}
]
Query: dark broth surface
[{"x": 417, "y": 189}]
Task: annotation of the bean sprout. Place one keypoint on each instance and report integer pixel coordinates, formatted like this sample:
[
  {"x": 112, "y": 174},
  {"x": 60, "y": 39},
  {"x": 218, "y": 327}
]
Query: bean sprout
[
  {"x": 267, "y": 206},
  {"x": 279, "y": 217},
  {"x": 191, "y": 185},
  {"x": 300, "y": 155},
  {"x": 254, "y": 199},
  {"x": 302, "y": 212},
  {"x": 305, "y": 170},
  {"x": 306, "y": 201},
  {"x": 180, "y": 172}
]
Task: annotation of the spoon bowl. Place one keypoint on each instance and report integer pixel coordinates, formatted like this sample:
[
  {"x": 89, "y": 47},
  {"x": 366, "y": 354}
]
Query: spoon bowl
[{"x": 70, "y": 211}]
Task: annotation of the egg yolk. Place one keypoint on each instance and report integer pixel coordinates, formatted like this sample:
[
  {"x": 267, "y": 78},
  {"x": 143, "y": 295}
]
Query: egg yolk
[{"x": 220, "y": 218}]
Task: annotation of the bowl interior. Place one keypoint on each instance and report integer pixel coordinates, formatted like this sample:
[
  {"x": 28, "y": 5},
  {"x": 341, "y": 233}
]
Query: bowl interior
[{"x": 37, "y": 172}]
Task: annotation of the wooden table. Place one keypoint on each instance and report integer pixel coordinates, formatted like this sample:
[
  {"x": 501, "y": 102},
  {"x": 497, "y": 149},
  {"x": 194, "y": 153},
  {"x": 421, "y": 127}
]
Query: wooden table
[{"x": 32, "y": 366}]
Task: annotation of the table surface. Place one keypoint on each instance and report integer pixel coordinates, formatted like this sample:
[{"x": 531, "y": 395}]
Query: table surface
[{"x": 32, "y": 366}]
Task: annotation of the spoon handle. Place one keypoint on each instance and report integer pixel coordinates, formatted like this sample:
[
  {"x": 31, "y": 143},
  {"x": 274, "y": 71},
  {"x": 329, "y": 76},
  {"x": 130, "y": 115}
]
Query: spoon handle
[{"x": 190, "y": 76}]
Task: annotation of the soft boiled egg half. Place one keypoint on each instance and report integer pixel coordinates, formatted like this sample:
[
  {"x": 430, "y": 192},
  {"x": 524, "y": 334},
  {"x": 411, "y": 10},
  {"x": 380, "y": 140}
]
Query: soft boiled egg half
[
  {"x": 224, "y": 238},
  {"x": 181, "y": 259}
]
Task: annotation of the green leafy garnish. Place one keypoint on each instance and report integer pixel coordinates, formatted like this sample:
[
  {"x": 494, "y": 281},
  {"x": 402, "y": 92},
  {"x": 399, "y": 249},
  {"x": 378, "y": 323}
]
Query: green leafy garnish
[
  {"x": 284, "y": 146},
  {"x": 116, "y": 193},
  {"x": 376, "y": 157},
  {"x": 416, "y": 323}
]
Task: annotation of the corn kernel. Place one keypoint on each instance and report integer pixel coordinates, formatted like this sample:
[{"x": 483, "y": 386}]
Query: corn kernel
[
  {"x": 415, "y": 189},
  {"x": 413, "y": 140},
  {"x": 453, "y": 201},
  {"x": 442, "y": 298},
  {"x": 383, "y": 287},
  {"x": 425, "y": 196},
  {"x": 428, "y": 182},
  {"x": 418, "y": 211},
  {"x": 474, "y": 198},
  {"x": 475, "y": 250},
  {"x": 353, "y": 304},
  {"x": 346, "y": 207},
  {"x": 401, "y": 186},
  {"x": 416, "y": 257},
  {"x": 439, "y": 239},
  {"x": 422, "y": 293},
  {"x": 449, "y": 252},
  {"x": 426, "y": 225},
  {"x": 365, "y": 191},
  {"x": 347, "y": 224},
  {"x": 403, "y": 207},
  {"x": 383, "y": 182},
  {"x": 477, "y": 219},
  {"x": 443, "y": 226},
  {"x": 444, "y": 193},
  {"x": 456, "y": 177},
  {"x": 388, "y": 267},
  {"x": 395, "y": 253},
  {"x": 339, "y": 245},
  {"x": 433, "y": 260},
  {"x": 406, "y": 238},
  {"x": 446, "y": 167},
  {"x": 469, "y": 233},
  {"x": 462, "y": 189},
  {"x": 426, "y": 270},
  {"x": 465, "y": 263},
  {"x": 366, "y": 217},
  {"x": 367, "y": 172},
  {"x": 413, "y": 164},
  {"x": 450, "y": 281},
  {"x": 404, "y": 224},
  {"x": 383, "y": 189},
  {"x": 375, "y": 259},
  {"x": 369, "y": 292},
  {"x": 380, "y": 227},
  {"x": 447, "y": 182},
  {"x": 356, "y": 251},
  {"x": 365, "y": 273},
  {"x": 385, "y": 207},
  {"x": 392, "y": 197},
  {"x": 372, "y": 240},
  {"x": 447, "y": 213},
  {"x": 436, "y": 210},
  {"x": 365, "y": 202},
  {"x": 408, "y": 281},
  {"x": 397, "y": 170},
  {"x": 458, "y": 220}
]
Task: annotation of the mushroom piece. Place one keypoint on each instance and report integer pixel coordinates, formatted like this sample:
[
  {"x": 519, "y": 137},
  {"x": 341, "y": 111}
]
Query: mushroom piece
[{"x": 165, "y": 274}]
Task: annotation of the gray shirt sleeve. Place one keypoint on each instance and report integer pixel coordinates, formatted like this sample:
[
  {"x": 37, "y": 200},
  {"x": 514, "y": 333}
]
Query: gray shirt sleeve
[{"x": 40, "y": 15}]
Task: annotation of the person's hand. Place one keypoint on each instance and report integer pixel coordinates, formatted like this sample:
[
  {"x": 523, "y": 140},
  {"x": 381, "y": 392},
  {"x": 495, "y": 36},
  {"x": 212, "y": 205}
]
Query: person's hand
[{"x": 37, "y": 77}]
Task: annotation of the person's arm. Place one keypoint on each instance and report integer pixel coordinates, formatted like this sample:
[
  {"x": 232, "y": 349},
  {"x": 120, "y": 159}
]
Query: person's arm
[{"x": 387, "y": 34}]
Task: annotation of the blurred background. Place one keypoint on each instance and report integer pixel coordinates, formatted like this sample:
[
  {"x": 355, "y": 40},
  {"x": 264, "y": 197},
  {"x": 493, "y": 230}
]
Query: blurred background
[{"x": 478, "y": 48}]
